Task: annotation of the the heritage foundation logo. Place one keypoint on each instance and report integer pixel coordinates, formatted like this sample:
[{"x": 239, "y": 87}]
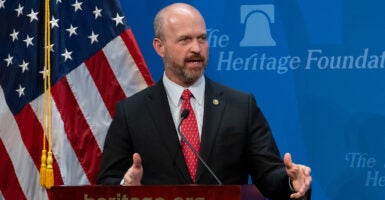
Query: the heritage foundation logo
[
  {"x": 258, "y": 35},
  {"x": 257, "y": 20}
]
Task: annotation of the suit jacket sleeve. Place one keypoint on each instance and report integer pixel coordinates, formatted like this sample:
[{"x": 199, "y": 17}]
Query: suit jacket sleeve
[
  {"x": 117, "y": 151},
  {"x": 266, "y": 166}
]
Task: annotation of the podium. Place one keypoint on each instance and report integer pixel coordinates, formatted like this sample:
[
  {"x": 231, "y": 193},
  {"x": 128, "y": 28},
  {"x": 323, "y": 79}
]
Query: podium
[{"x": 157, "y": 192}]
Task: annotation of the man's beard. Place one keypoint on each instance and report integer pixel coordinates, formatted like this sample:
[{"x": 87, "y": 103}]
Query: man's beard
[{"x": 182, "y": 72}]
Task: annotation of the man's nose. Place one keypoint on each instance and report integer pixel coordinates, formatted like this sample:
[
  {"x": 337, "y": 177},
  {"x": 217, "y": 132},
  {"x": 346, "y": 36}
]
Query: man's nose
[{"x": 195, "y": 47}]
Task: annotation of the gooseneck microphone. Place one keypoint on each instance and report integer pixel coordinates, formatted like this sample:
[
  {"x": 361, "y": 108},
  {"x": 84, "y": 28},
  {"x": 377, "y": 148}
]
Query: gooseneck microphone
[{"x": 183, "y": 116}]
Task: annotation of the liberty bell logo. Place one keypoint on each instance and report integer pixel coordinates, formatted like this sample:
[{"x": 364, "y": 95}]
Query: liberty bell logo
[{"x": 257, "y": 20}]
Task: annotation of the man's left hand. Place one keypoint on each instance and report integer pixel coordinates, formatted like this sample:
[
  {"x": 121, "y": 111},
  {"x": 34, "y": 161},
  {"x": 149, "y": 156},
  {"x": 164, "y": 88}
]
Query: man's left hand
[{"x": 299, "y": 176}]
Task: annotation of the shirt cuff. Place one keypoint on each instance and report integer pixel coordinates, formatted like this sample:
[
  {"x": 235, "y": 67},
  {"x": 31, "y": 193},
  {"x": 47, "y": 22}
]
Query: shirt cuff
[
  {"x": 291, "y": 186},
  {"x": 122, "y": 182}
]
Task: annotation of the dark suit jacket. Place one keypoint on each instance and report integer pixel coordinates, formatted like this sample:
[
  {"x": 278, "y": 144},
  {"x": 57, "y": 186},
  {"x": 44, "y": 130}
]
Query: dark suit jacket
[{"x": 236, "y": 142}]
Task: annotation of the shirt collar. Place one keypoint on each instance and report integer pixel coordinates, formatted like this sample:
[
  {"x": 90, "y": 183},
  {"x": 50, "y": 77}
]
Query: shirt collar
[{"x": 174, "y": 91}]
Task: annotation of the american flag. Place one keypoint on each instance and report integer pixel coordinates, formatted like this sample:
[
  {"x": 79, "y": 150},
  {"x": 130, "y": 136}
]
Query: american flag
[{"x": 95, "y": 63}]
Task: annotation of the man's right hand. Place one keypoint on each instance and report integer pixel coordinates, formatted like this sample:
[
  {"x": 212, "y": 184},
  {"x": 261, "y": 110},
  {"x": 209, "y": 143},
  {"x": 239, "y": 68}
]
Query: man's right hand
[{"x": 134, "y": 174}]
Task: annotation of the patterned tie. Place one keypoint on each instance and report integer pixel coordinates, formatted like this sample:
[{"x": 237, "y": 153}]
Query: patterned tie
[{"x": 190, "y": 131}]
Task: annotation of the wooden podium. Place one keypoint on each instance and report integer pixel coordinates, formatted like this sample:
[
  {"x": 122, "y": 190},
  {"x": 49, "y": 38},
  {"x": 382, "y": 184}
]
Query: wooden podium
[{"x": 163, "y": 192}]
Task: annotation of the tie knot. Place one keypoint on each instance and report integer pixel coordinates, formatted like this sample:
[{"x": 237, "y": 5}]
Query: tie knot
[{"x": 186, "y": 95}]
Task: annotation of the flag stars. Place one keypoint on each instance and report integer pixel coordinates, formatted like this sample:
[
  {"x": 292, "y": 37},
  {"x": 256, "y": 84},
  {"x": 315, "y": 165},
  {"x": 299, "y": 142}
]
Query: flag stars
[
  {"x": 72, "y": 30},
  {"x": 118, "y": 19},
  {"x": 50, "y": 47},
  {"x": 97, "y": 12},
  {"x": 44, "y": 73},
  {"x": 14, "y": 35},
  {"x": 77, "y": 5},
  {"x": 28, "y": 41},
  {"x": 32, "y": 15},
  {"x": 9, "y": 60},
  {"x": 54, "y": 22},
  {"x": 19, "y": 10},
  {"x": 2, "y": 3},
  {"x": 67, "y": 55},
  {"x": 93, "y": 37},
  {"x": 24, "y": 66},
  {"x": 20, "y": 90}
]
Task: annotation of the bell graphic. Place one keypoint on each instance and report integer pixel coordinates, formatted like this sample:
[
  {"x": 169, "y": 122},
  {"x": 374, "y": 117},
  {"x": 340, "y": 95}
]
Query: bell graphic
[{"x": 257, "y": 20}]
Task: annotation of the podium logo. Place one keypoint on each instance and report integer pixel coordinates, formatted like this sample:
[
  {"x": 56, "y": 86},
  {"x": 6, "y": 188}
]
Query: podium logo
[{"x": 257, "y": 20}]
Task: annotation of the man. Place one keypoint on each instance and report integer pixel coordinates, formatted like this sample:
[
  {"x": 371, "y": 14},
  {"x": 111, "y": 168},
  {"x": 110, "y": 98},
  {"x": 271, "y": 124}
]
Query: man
[{"x": 226, "y": 126}]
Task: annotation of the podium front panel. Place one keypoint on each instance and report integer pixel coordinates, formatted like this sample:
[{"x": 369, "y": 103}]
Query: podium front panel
[{"x": 180, "y": 192}]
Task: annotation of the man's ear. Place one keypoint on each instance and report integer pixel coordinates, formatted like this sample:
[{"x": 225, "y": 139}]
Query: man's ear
[{"x": 158, "y": 46}]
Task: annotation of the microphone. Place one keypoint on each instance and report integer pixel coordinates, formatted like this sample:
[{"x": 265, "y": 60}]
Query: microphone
[{"x": 183, "y": 116}]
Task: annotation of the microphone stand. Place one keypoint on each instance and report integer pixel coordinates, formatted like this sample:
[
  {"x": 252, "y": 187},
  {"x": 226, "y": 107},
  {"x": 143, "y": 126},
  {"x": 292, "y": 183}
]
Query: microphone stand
[{"x": 183, "y": 116}]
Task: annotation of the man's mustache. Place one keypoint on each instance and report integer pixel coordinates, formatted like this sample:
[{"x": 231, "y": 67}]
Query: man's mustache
[{"x": 195, "y": 57}]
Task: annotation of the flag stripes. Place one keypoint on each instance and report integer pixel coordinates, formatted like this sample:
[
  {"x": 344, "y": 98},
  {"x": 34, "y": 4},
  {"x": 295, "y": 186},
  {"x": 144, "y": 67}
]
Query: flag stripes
[
  {"x": 69, "y": 167},
  {"x": 131, "y": 79},
  {"x": 21, "y": 175},
  {"x": 78, "y": 132},
  {"x": 89, "y": 102},
  {"x": 9, "y": 186},
  {"x": 29, "y": 133},
  {"x": 134, "y": 51},
  {"x": 102, "y": 75}
]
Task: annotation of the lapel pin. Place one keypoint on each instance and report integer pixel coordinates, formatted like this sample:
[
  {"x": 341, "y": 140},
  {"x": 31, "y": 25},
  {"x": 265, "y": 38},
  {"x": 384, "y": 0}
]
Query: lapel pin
[{"x": 215, "y": 101}]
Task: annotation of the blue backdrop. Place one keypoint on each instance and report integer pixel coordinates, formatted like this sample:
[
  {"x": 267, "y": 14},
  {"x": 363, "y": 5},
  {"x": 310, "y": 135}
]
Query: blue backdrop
[{"x": 317, "y": 71}]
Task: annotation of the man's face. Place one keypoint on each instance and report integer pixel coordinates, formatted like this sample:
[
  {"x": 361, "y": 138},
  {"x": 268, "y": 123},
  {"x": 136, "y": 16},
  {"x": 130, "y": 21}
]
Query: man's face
[{"x": 185, "y": 48}]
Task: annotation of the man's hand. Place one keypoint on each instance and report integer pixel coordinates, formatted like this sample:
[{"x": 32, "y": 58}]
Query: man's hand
[
  {"x": 134, "y": 174},
  {"x": 299, "y": 175}
]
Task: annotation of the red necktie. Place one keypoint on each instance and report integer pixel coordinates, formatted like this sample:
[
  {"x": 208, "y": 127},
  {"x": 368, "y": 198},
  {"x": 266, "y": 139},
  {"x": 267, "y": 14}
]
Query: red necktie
[{"x": 190, "y": 131}]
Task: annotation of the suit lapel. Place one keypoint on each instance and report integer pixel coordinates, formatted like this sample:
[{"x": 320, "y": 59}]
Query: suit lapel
[
  {"x": 161, "y": 115},
  {"x": 213, "y": 112}
]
